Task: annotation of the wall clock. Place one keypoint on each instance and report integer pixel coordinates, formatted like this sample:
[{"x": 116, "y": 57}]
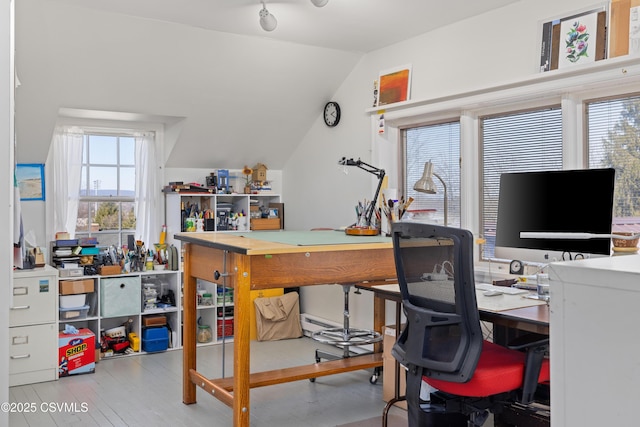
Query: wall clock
[{"x": 331, "y": 114}]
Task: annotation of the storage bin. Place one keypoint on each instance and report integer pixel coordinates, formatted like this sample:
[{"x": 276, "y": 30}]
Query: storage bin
[
  {"x": 72, "y": 287},
  {"x": 225, "y": 327},
  {"x": 120, "y": 296},
  {"x": 155, "y": 339},
  {"x": 71, "y": 301},
  {"x": 74, "y": 313}
]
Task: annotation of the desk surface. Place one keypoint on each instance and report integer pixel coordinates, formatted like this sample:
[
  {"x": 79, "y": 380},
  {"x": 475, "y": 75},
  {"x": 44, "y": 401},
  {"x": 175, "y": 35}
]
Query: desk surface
[{"x": 275, "y": 242}]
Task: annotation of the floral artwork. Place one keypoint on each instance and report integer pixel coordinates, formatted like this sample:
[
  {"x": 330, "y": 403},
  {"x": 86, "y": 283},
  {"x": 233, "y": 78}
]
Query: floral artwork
[{"x": 578, "y": 40}]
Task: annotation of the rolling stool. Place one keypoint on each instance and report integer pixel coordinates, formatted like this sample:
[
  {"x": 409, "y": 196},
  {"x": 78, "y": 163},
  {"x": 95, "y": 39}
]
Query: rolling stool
[{"x": 345, "y": 337}]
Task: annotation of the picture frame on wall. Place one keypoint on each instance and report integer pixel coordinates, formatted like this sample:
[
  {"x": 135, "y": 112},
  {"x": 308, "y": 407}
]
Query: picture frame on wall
[
  {"x": 394, "y": 85},
  {"x": 30, "y": 180}
]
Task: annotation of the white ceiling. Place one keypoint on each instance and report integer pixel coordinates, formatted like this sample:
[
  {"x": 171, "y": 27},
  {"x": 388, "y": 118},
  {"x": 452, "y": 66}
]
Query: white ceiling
[{"x": 350, "y": 25}]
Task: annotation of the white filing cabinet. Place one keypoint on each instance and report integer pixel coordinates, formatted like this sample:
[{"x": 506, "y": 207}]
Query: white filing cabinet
[
  {"x": 33, "y": 326},
  {"x": 594, "y": 341}
]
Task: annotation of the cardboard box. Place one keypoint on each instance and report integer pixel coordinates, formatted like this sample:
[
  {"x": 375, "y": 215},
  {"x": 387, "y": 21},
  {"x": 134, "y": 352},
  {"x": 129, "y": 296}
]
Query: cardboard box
[
  {"x": 389, "y": 368},
  {"x": 70, "y": 287},
  {"x": 265, "y": 224},
  {"x": 106, "y": 270},
  {"x": 76, "y": 353}
]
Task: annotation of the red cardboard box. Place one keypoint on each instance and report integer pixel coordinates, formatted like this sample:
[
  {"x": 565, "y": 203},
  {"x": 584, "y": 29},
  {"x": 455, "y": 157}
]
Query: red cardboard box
[{"x": 76, "y": 353}]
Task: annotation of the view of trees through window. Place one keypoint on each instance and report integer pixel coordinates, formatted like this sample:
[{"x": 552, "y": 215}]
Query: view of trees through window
[
  {"x": 614, "y": 141},
  {"x": 107, "y": 192}
]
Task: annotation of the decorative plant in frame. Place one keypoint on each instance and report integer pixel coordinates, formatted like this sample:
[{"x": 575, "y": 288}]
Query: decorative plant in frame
[
  {"x": 577, "y": 42},
  {"x": 580, "y": 36}
]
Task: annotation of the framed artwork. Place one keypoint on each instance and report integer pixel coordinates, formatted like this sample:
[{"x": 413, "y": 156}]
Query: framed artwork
[
  {"x": 578, "y": 40},
  {"x": 394, "y": 85},
  {"x": 30, "y": 180}
]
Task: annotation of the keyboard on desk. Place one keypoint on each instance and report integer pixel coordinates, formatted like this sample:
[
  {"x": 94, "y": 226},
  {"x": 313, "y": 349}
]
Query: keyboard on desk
[{"x": 504, "y": 289}]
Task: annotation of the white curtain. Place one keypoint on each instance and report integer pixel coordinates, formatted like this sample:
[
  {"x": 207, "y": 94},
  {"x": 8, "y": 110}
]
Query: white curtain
[
  {"x": 147, "y": 189},
  {"x": 67, "y": 169}
]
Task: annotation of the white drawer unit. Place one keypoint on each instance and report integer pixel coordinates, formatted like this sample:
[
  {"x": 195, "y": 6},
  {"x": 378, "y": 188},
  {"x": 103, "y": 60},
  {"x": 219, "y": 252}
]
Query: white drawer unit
[
  {"x": 33, "y": 300},
  {"x": 33, "y": 326},
  {"x": 32, "y": 353},
  {"x": 120, "y": 296}
]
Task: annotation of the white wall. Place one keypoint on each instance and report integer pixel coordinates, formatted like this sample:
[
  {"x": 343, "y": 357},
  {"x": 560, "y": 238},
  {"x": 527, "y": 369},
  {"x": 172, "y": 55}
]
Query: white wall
[
  {"x": 6, "y": 170},
  {"x": 484, "y": 51}
]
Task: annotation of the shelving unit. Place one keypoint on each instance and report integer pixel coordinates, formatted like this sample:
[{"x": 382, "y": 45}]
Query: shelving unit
[
  {"x": 220, "y": 206},
  {"x": 119, "y": 300},
  {"x": 229, "y": 203}
]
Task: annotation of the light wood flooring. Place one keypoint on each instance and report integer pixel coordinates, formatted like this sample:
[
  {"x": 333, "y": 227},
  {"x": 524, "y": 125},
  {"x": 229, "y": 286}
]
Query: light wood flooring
[{"x": 146, "y": 390}]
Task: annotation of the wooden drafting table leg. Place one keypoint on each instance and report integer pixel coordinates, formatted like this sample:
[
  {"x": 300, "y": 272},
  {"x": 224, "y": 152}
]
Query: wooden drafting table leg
[
  {"x": 240, "y": 269},
  {"x": 378, "y": 319},
  {"x": 188, "y": 328}
]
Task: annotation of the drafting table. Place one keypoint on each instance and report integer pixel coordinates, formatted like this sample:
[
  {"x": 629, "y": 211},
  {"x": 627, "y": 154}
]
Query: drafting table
[{"x": 274, "y": 259}]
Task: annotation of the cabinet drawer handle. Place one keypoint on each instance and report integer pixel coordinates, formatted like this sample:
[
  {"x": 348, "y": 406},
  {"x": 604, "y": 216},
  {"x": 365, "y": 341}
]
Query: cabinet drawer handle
[
  {"x": 20, "y": 290},
  {"x": 21, "y": 307},
  {"x": 23, "y": 356}
]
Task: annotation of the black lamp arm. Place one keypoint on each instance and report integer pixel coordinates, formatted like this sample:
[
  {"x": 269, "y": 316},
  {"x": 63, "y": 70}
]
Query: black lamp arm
[{"x": 380, "y": 173}]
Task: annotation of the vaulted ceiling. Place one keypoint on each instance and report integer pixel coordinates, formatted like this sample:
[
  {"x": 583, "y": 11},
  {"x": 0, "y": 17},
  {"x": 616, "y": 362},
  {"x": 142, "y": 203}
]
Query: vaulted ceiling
[{"x": 228, "y": 92}]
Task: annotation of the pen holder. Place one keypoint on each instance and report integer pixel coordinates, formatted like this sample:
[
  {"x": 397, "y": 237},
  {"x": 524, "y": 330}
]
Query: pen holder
[{"x": 209, "y": 224}]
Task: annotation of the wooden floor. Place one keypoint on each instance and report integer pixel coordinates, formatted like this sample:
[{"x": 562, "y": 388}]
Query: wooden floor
[{"x": 146, "y": 390}]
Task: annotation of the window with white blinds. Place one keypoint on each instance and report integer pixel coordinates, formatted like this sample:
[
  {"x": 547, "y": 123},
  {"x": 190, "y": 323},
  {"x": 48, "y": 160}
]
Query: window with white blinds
[
  {"x": 613, "y": 137},
  {"x": 516, "y": 142},
  {"x": 440, "y": 144}
]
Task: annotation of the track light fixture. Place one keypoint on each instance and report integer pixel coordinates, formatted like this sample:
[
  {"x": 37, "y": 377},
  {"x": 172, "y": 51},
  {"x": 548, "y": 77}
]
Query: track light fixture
[{"x": 268, "y": 22}]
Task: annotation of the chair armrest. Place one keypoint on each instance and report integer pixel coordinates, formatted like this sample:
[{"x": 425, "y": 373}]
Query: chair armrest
[{"x": 536, "y": 346}]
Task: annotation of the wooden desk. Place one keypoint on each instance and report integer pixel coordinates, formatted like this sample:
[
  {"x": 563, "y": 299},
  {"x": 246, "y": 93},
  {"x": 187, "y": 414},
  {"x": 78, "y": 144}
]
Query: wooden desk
[
  {"x": 262, "y": 260},
  {"x": 534, "y": 318}
]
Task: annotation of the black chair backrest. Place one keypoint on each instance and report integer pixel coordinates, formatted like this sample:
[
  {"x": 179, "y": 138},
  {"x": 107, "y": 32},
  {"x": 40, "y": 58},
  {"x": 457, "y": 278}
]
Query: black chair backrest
[{"x": 434, "y": 265}]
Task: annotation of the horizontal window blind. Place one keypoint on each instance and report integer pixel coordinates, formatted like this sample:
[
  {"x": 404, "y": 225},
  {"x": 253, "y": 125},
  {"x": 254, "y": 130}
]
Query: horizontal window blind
[
  {"x": 520, "y": 142},
  {"x": 440, "y": 144}
]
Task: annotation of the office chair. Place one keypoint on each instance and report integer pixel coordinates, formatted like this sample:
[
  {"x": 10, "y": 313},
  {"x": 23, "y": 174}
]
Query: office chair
[{"x": 442, "y": 343}]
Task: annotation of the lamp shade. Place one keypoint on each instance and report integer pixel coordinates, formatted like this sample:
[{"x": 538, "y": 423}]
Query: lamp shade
[
  {"x": 268, "y": 22},
  {"x": 319, "y": 3},
  {"x": 426, "y": 184}
]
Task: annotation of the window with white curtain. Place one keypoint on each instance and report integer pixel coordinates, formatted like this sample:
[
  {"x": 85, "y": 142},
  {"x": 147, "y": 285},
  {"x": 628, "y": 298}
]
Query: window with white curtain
[
  {"x": 515, "y": 142},
  {"x": 440, "y": 144},
  {"x": 106, "y": 206},
  {"x": 105, "y": 184},
  {"x": 613, "y": 137}
]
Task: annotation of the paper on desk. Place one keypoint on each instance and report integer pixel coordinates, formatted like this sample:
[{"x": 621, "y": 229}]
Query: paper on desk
[
  {"x": 504, "y": 302},
  {"x": 495, "y": 303}
]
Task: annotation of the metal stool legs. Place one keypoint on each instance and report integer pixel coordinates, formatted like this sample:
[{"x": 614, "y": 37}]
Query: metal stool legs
[{"x": 345, "y": 337}]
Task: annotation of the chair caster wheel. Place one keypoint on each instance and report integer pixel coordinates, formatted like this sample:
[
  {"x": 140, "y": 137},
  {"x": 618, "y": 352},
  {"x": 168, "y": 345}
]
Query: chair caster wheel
[
  {"x": 313, "y": 380},
  {"x": 373, "y": 379}
]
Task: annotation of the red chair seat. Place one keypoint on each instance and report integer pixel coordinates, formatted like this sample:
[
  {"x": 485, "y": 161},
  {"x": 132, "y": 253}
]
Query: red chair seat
[{"x": 499, "y": 370}]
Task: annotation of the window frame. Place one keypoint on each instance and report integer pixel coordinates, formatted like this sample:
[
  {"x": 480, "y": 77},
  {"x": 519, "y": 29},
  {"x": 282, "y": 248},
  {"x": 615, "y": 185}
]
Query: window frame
[
  {"x": 570, "y": 88},
  {"x": 118, "y": 198}
]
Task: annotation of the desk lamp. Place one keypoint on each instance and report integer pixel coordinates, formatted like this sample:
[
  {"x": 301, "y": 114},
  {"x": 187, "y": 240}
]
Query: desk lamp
[
  {"x": 426, "y": 185},
  {"x": 373, "y": 170}
]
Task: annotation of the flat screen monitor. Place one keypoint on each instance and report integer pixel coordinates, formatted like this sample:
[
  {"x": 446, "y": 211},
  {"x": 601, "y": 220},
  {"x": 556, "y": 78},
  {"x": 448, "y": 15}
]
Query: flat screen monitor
[{"x": 567, "y": 201}]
